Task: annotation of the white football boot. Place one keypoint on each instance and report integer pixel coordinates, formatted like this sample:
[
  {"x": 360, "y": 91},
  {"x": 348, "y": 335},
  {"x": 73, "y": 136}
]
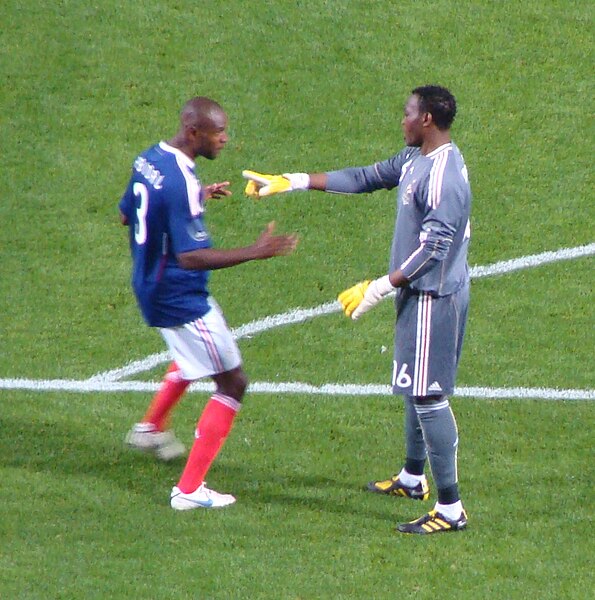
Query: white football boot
[
  {"x": 163, "y": 444},
  {"x": 203, "y": 497}
]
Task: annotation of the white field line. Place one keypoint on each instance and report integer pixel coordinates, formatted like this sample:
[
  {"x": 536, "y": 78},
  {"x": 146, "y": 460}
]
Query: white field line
[
  {"x": 534, "y": 260},
  {"x": 267, "y": 387},
  {"x": 299, "y": 315},
  {"x": 110, "y": 380}
]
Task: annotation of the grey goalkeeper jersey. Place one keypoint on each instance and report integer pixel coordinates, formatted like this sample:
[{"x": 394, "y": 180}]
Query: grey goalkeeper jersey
[{"x": 432, "y": 229}]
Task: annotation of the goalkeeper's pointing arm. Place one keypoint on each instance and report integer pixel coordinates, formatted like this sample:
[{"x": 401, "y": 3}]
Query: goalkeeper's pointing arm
[
  {"x": 260, "y": 185},
  {"x": 352, "y": 180}
]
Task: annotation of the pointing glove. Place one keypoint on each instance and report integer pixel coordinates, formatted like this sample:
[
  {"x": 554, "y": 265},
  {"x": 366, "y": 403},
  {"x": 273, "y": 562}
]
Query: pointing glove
[{"x": 260, "y": 185}]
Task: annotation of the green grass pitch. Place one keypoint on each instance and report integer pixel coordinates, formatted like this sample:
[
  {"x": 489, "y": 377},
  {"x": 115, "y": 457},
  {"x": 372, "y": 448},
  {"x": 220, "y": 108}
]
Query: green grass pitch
[{"x": 307, "y": 86}]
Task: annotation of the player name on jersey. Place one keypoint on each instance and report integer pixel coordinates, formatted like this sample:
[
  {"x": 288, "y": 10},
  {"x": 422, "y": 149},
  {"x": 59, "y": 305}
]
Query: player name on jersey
[{"x": 149, "y": 172}]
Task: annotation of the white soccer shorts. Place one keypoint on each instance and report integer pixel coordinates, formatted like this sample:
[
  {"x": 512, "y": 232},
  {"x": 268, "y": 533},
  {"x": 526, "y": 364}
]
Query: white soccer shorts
[{"x": 204, "y": 347}]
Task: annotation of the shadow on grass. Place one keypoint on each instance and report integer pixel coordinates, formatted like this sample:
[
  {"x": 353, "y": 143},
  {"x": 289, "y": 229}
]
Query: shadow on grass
[
  {"x": 71, "y": 450},
  {"x": 256, "y": 487},
  {"x": 55, "y": 448}
]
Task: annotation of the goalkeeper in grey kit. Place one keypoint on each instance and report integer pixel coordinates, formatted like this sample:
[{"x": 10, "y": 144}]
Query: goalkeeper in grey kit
[{"x": 429, "y": 273}]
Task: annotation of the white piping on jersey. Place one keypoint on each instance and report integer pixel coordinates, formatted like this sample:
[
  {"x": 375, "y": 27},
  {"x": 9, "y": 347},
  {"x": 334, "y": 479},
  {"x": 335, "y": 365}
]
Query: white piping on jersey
[
  {"x": 437, "y": 175},
  {"x": 412, "y": 256},
  {"x": 192, "y": 189},
  {"x": 186, "y": 166},
  {"x": 178, "y": 154},
  {"x": 377, "y": 172},
  {"x": 433, "y": 153},
  {"x": 422, "y": 344},
  {"x": 440, "y": 155}
]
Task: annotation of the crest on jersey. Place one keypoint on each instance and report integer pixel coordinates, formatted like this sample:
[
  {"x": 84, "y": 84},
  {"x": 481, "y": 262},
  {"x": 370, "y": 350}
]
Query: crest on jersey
[
  {"x": 409, "y": 191},
  {"x": 196, "y": 231}
]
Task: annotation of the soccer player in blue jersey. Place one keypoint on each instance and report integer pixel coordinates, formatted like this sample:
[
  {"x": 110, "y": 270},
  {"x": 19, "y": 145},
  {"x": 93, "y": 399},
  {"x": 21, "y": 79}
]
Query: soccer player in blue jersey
[
  {"x": 172, "y": 256},
  {"x": 428, "y": 272}
]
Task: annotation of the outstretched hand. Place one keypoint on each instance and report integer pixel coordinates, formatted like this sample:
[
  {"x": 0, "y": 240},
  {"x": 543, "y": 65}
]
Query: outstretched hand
[
  {"x": 217, "y": 190},
  {"x": 260, "y": 184},
  {"x": 268, "y": 245}
]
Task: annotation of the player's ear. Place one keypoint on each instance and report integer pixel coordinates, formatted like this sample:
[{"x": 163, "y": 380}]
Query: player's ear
[
  {"x": 427, "y": 119},
  {"x": 191, "y": 131}
]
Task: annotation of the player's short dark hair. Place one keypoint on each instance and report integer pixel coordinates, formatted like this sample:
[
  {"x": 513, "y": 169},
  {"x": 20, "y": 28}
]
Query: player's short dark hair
[
  {"x": 198, "y": 111},
  {"x": 439, "y": 102}
]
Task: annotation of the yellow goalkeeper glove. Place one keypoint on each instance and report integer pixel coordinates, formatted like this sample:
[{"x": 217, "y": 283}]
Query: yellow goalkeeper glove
[
  {"x": 260, "y": 185},
  {"x": 251, "y": 190},
  {"x": 351, "y": 298},
  {"x": 364, "y": 295}
]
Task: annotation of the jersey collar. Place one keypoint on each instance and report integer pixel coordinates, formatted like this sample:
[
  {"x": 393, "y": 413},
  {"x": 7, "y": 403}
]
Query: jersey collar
[
  {"x": 442, "y": 148},
  {"x": 181, "y": 156}
]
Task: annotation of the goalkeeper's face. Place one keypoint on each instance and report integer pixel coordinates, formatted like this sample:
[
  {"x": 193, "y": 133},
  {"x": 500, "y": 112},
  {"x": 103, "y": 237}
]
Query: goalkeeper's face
[
  {"x": 212, "y": 136},
  {"x": 412, "y": 122}
]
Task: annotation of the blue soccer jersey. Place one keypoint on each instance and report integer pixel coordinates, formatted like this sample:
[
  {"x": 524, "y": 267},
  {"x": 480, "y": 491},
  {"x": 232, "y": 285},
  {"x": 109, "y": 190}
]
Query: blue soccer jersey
[{"x": 164, "y": 206}]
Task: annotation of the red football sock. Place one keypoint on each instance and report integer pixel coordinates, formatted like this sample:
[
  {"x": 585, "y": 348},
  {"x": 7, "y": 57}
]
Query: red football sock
[
  {"x": 212, "y": 430},
  {"x": 169, "y": 393}
]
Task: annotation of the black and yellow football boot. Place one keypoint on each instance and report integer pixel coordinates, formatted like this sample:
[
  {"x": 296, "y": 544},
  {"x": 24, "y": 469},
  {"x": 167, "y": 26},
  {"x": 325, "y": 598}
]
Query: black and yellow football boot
[
  {"x": 434, "y": 522},
  {"x": 394, "y": 487}
]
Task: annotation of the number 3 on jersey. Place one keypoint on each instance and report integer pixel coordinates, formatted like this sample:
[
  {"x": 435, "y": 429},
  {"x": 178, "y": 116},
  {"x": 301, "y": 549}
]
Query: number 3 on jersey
[
  {"x": 400, "y": 376},
  {"x": 140, "y": 228}
]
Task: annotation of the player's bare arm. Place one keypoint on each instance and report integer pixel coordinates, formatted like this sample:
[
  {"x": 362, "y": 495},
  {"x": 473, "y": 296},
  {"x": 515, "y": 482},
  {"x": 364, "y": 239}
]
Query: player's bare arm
[
  {"x": 318, "y": 181},
  {"x": 266, "y": 246},
  {"x": 398, "y": 279}
]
